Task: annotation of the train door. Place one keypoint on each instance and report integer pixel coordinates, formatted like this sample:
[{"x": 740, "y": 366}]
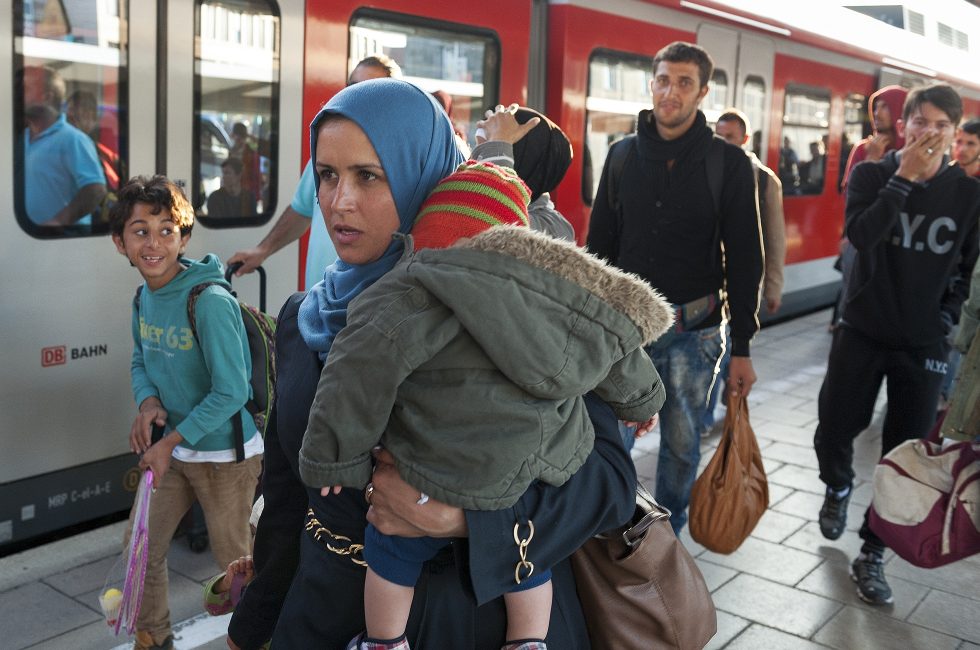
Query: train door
[
  {"x": 742, "y": 78},
  {"x": 98, "y": 96}
]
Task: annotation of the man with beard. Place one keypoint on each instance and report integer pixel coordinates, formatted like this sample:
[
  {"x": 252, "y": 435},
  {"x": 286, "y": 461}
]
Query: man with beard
[{"x": 665, "y": 213}]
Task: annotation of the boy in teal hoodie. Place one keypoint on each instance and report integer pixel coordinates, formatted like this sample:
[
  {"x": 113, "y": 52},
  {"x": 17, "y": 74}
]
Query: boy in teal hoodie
[{"x": 191, "y": 382}]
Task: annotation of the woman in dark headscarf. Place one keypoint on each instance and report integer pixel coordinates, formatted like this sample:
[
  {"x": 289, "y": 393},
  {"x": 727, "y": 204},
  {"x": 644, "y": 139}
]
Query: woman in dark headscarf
[{"x": 379, "y": 147}]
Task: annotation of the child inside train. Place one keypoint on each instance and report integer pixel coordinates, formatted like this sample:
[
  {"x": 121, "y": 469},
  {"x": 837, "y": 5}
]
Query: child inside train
[
  {"x": 469, "y": 361},
  {"x": 191, "y": 379}
]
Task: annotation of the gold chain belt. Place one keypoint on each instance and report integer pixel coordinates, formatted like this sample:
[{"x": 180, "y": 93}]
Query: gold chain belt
[{"x": 339, "y": 544}]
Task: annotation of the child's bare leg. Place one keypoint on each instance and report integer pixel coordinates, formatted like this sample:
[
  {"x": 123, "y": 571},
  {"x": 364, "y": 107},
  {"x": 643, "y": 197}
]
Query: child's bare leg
[
  {"x": 386, "y": 607},
  {"x": 528, "y": 612}
]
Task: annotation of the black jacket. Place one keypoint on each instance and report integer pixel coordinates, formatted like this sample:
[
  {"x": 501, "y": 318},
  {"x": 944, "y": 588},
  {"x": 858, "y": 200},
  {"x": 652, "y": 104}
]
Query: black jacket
[
  {"x": 324, "y": 605},
  {"x": 917, "y": 244},
  {"x": 666, "y": 230}
]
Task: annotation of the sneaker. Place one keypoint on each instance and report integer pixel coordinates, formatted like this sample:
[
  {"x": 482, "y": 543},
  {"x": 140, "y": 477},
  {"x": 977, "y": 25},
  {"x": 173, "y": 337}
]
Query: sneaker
[
  {"x": 144, "y": 641},
  {"x": 833, "y": 514},
  {"x": 868, "y": 572}
]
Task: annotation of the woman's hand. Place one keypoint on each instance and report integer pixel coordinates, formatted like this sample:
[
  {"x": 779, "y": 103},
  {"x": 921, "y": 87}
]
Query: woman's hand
[
  {"x": 500, "y": 124},
  {"x": 395, "y": 509}
]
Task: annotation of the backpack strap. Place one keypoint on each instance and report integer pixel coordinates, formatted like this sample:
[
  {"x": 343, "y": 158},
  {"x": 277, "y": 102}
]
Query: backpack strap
[
  {"x": 238, "y": 428},
  {"x": 714, "y": 167},
  {"x": 619, "y": 155}
]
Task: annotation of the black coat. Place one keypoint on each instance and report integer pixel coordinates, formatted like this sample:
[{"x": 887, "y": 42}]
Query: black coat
[{"x": 314, "y": 598}]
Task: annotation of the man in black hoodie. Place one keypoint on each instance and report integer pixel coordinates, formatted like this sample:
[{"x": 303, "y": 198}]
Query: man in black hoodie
[
  {"x": 655, "y": 215},
  {"x": 913, "y": 221}
]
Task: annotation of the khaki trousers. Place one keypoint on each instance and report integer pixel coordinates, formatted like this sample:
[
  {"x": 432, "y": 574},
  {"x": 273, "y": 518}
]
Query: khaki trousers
[{"x": 226, "y": 492}]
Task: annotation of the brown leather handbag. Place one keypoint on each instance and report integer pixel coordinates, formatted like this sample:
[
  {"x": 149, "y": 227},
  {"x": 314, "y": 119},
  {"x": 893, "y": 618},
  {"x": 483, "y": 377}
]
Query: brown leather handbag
[
  {"x": 732, "y": 493},
  {"x": 639, "y": 587}
]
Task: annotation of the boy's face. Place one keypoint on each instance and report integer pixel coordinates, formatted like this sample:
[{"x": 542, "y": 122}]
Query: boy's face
[
  {"x": 927, "y": 119},
  {"x": 152, "y": 243}
]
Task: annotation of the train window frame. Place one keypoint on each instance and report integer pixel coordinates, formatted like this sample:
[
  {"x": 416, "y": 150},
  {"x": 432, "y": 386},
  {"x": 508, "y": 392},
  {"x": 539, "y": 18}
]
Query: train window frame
[
  {"x": 809, "y": 92},
  {"x": 99, "y": 225},
  {"x": 861, "y": 127},
  {"x": 590, "y": 170},
  {"x": 200, "y": 117},
  {"x": 756, "y": 125},
  {"x": 712, "y": 111},
  {"x": 491, "y": 61}
]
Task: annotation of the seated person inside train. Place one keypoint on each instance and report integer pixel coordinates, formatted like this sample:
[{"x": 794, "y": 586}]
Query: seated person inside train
[
  {"x": 452, "y": 395},
  {"x": 192, "y": 380},
  {"x": 232, "y": 199}
]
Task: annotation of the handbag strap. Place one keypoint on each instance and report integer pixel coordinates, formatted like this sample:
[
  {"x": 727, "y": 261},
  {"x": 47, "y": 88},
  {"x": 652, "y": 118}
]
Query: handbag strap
[{"x": 653, "y": 512}]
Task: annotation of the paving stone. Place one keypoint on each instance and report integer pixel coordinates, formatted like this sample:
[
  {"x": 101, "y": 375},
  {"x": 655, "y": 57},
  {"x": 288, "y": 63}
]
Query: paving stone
[
  {"x": 35, "y": 612},
  {"x": 861, "y": 494},
  {"x": 807, "y": 505},
  {"x": 94, "y": 636},
  {"x": 777, "y": 493},
  {"x": 959, "y": 578},
  {"x": 798, "y": 478},
  {"x": 770, "y": 464},
  {"x": 776, "y": 526},
  {"x": 854, "y": 627},
  {"x": 767, "y": 560},
  {"x": 715, "y": 575},
  {"x": 951, "y": 614},
  {"x": 692, "y": 547},
  {"x": 783, "y": 432},
  {"x": 810, "y": 539},
  {"x": 832, "y": 579},
  {"x": 86, "y": 577},
  {"x": 646, "y": 468},
  {"x": 777, "y": 411},
  {"x": 729, "y": 626},
  {"x": 801, "y": 455},
  {"x": 760, "y": 636},
  {"x": 774, "y": 605},
  {"x": 968, "y": 646}
]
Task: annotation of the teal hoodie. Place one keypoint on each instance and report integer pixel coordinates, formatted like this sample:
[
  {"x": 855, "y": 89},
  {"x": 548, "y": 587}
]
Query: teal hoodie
[{"x": 202, "y": 382}]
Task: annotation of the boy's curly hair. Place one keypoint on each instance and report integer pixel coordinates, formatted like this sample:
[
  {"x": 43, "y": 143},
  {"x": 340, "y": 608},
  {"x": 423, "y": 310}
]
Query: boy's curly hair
[{"x": 159, "y": 192}]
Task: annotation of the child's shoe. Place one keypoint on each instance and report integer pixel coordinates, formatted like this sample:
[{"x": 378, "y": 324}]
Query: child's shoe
[{"x": 362, "y": 642}]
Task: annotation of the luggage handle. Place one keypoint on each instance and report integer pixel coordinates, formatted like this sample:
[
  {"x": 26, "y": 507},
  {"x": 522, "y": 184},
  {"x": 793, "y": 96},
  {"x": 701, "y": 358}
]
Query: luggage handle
[{"x": 230, "y": 271}]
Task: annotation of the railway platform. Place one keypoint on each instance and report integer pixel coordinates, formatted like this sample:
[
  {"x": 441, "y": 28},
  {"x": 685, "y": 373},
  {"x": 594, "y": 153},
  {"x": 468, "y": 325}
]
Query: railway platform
[{"x": 786, "y": 588}]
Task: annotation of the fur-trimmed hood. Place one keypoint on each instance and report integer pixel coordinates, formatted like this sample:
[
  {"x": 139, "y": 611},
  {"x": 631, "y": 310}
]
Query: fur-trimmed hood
[{"x": 625, "y": 292}]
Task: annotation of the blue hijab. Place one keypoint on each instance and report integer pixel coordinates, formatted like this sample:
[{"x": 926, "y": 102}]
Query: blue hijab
[{"x": 417, "y": 148}]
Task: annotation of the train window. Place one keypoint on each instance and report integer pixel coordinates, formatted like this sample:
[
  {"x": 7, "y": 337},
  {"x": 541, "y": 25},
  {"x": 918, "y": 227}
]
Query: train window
[
  {"x": 716, "y": 101},
  {"x": 236, "y": 94},
  {"x": 754, "y": 107},
  {"x": 456, "y": 63},
  {"x": 69, "y": 114},
  {"x": 802, "y": 156},
  {"x": 855, "y": 123},
  {"x": 619, "y": 88}
]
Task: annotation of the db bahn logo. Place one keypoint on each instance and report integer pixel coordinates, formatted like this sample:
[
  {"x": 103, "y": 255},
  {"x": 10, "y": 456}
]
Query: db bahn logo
[
  {"x": 58, "y": 355},
  {"x": 54, "y": 356}
]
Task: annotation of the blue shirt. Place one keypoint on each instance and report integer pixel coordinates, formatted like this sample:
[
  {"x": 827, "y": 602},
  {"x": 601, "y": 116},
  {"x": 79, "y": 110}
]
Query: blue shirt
[
  {"x": 320, "y": 253},
  {"x": 59, "y": 162}
]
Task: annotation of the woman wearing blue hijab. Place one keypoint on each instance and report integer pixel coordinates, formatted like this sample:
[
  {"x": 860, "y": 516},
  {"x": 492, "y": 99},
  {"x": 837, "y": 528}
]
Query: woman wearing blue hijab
[{"x": 379, "y": 147}]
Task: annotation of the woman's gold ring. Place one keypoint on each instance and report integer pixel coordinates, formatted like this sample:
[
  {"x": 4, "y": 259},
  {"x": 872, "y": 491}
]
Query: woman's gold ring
[{"x": 369, "y": 492}]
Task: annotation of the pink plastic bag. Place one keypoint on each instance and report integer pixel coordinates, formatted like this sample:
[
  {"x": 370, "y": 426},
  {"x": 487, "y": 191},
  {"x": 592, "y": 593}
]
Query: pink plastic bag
[
  {"x": 122, "y": 594},
  {"x": 926, "y": 503}
]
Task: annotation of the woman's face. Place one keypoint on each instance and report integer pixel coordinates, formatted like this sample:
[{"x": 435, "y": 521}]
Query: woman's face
[
  {"x": 966, "y": 148},
  {"x": 355, "y": 198}
]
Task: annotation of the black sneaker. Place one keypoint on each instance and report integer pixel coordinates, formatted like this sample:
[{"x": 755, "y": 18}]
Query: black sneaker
[
  {"x": 869, "y": 574},
  {"x": 833, "y": 514}
]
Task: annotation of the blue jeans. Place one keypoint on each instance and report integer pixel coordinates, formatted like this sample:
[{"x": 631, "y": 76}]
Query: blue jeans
[{"x": 687, "y": 363}]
